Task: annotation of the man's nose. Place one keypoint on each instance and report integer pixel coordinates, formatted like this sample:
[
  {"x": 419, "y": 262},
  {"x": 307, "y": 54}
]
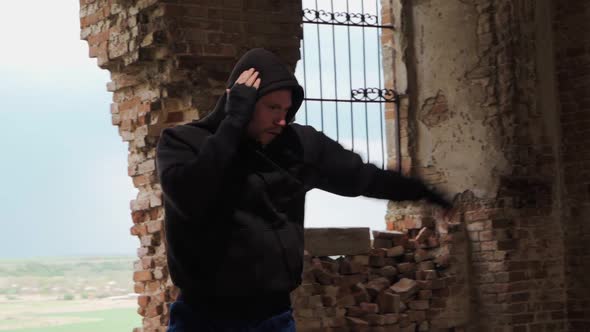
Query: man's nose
[{"x": 281, "y": 121}]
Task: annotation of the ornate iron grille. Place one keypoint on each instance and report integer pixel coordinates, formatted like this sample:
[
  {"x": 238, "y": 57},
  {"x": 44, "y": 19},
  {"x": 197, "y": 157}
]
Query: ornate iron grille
[{"x": 341, "y": 59}]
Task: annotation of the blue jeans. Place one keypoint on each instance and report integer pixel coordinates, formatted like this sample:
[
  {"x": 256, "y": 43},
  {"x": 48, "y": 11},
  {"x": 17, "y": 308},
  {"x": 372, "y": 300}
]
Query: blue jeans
[{"x": 184, "y": 319}]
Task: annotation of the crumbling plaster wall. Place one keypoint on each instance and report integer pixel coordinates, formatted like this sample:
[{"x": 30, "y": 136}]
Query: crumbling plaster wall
[
  {"x": 450, "y": 131},
  {"x": 477, "y": 123}
]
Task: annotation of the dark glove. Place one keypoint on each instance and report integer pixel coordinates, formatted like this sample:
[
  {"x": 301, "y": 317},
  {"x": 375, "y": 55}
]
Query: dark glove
[
  {"x": 432, "y": 196},
  {"x": 240, "y": 103}
]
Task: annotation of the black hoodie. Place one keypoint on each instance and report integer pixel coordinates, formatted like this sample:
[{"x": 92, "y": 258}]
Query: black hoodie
[{"x": 234, "y": 210}]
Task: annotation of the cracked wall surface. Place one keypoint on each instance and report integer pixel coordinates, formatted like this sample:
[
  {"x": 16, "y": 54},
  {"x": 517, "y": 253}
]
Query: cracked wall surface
[{"x": 482, "y": 125}]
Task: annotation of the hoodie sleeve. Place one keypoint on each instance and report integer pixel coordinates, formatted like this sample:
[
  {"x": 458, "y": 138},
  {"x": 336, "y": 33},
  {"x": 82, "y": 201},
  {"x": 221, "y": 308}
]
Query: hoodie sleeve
[
  {"x": 344, "y": 173},
  {"x": 191, "y": 164}
]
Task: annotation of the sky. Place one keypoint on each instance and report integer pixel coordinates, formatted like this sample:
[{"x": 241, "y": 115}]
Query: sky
[{"x": 64, "y": 185}]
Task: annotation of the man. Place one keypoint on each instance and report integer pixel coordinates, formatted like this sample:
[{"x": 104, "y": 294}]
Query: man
[{"x": 234, "y": 185}]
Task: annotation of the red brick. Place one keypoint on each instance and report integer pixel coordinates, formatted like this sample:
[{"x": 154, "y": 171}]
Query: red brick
[
  {"x": 138, "y": 230},
  {"x": 138, "y": 288},
  {"x": 424, "y": 294},
  {"x": 388, "y": 302},
  {"x": 154, "y": 310},
  {"x": 423, "y": 235},
  {"x": 375, "y": 319},
  {"x": 147, "y": 262},
  {"x": 395, "y": 251},
  {"x": 419, "y": 305},
  {"x": 347, "y": 266},
  {"x": 97, "y": 51},
  {"x": 507, "y": 245},
  {"x": 175, "y": 117},
  {"x": 138, "y": 217},
  {"x": 143, "y": 300},
  {"x": 369, "y": 308},
  {"x": 98, "y": 38},
  {"x": 154, "y": 226},
  {"x": 404, "y": 286},
  {"x": 416, "y": 222},
  {"x": 377, "y": 285},
  {"x": 141, "y": 180},
  {"x": 142, "y": 276},
  {"x": 155, "y": 213},
  {"x": 416, "y": 315},
  {"x": 471, "y": 216},
  {"x": 433, "y": 242},
  {"x": 153, "y": 286},
  {"x": 488, "y": 246},
  {"x": 486, "y": 235},
  {"x": 356, "y": 321}
]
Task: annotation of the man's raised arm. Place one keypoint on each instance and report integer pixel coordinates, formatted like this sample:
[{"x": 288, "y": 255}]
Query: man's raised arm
[{"x": 191, "y": 162}]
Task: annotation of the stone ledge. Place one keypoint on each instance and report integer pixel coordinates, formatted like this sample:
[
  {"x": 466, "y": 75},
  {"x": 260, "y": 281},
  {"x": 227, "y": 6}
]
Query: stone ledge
[{"x": 337, "y": 241}]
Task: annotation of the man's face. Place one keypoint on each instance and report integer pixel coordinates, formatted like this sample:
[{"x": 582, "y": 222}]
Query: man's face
[{"x": 269, "y": 116}]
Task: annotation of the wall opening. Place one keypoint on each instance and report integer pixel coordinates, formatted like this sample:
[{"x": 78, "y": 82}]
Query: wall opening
[{"x": 341, "y": 69}]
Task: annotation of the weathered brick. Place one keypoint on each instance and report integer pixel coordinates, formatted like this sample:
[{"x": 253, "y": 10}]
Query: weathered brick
[
  {"x": 388, "y": 302},
  {"x": 406, "y": 267},
  {"x": 418, "y": 305},
  {"x": 142, "y": 276},
  {"x": 143, "y": 300},
  {"x": 375, "y": 286},
  {"x": 405, "y": 285},
  {"x": 423, "y": 235},
  {"x": 369, "y": 308},
  {"x": 382, "y": 243},
  {"x": 416, "y": 315},
  {"x": 356, "y": 321}
]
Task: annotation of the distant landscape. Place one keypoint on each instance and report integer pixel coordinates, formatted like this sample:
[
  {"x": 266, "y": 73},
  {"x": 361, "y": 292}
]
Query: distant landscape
[{"x": 68, "y": 294}]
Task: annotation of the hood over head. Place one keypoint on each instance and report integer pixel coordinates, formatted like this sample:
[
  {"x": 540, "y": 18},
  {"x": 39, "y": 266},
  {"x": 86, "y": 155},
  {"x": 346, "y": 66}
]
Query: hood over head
[{"x": 274, "y": 75}]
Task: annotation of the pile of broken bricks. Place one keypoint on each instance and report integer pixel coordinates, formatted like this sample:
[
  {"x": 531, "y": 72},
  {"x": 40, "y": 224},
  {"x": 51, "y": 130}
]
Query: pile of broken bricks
[{"x": 398, "y": 285}]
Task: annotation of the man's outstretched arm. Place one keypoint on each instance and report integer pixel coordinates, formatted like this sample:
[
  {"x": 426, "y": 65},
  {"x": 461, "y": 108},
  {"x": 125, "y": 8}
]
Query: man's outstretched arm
[{"x": 344, "y": 173}]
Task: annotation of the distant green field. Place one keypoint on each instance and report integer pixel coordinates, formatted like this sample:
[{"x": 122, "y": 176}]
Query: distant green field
[
  {"x": 113, "y": 320},
  {"x": 67, "y": 294},
  {"x": 67, "y": 277}
]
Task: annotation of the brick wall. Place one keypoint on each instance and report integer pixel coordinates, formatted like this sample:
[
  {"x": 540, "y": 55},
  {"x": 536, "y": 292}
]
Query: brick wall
[
  {"x": 169, "y": 61},
  {"x": 523, "y": 247},
  {"x": 572, "y": 58}
]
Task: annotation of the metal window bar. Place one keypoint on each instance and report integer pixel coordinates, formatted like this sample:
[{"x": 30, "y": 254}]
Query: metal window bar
[
  {"x": 344, "y": 23},
  {"x": 335, "y": 74}
]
